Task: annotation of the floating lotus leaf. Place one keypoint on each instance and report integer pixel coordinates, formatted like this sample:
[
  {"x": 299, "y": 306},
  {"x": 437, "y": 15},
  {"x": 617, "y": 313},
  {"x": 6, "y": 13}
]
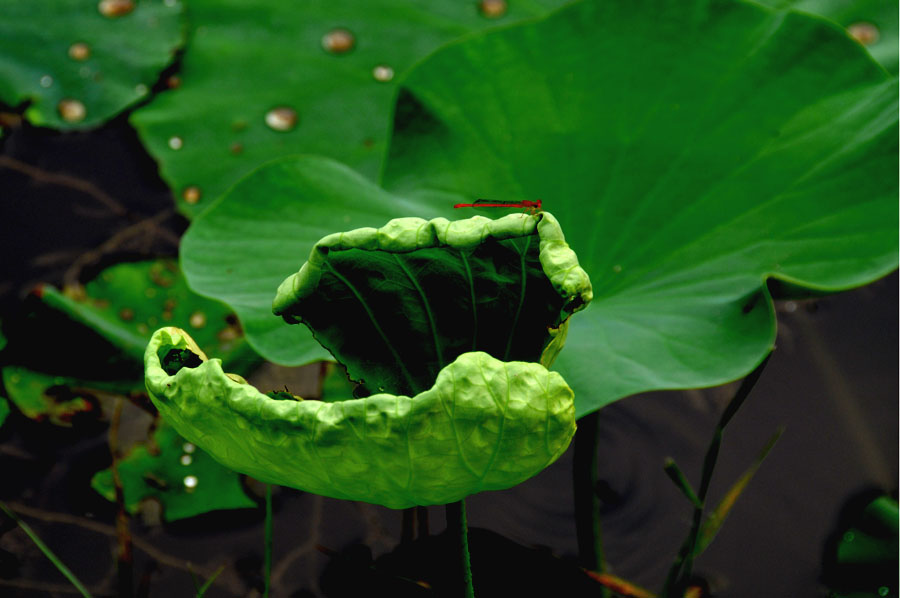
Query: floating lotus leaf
[
  {"x": 873, "y": 23},
  {"x": 398, "y": 303},
  {"x": 81, "y": 62},
  {"x": 259, "y": 81},
  {"x": 185, "y": 479},
  {"x": 483, "y": 425}
]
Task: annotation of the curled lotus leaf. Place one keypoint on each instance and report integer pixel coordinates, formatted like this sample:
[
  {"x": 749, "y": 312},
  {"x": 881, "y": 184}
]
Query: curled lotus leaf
[
  {"x": 398, "y": 303},
  {"x": 483, "y": 425}
]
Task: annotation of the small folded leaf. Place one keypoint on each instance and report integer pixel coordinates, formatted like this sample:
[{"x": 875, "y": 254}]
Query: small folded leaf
[
  {"x": 185, "y": 480},
  {"x": 483, "y": 425},
  {"x": 397, "y": 304}
]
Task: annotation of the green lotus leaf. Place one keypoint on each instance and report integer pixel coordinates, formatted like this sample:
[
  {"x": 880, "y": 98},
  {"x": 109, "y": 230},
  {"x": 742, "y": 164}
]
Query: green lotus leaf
[
  {"x": 78, "y": 67},
  {"x": 483, "y": 425},
  {"x": 247, "y": 58},
  {"x": 397, "y": 304},
  {"x": 186, "y": 480},
  {"x": 691, "y": 151},
  {"x": 871, "y": 22}
]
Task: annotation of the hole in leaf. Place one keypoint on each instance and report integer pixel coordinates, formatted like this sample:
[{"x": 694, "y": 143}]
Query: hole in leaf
[{"x": 173, "y": 359}]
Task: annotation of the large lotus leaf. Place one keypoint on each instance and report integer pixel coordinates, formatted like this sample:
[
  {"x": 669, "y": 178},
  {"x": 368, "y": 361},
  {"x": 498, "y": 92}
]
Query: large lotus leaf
[
  {"x": 689, "y": 150},
  {"x": 58, "y": 54},
  {"x": 185, "y": 479},
  {"x": 246, "y": 58},
  {"x": 483, "y": 425},
  {"x": 871, "y": 22},
  {"x": 398, "y": 303}
]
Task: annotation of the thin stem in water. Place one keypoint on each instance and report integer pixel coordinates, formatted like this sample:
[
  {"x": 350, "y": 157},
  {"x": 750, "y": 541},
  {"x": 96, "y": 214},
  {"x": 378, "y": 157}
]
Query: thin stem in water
[
  {"x": 458, "y": 530},
  {"x": 587, "y": 504},
  {"x": 267, "y": 562}
]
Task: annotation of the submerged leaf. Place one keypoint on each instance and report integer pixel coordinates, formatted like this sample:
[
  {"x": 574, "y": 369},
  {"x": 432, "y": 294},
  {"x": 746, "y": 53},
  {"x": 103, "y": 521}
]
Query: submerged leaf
[{"x": 483, "y": 425}]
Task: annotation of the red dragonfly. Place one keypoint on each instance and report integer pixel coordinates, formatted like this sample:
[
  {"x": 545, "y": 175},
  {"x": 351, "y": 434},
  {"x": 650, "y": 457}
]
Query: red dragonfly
[{"x": 531, "y": 205}]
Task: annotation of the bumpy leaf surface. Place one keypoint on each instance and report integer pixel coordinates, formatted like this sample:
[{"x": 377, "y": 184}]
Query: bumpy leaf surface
[
  {"x": 483, "y": 425},
  {"x": 689, "y": 150},
  {"x": 55, "y": 50},
  {"x": 397, "y": 304}
]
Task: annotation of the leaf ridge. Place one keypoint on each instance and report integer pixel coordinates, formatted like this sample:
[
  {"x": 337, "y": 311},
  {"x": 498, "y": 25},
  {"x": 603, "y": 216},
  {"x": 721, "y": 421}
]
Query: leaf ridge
[
  {"x": 524, "y": 279},
  {"x": 426, "y": 305},
  {"x": 365, "y": 306}
]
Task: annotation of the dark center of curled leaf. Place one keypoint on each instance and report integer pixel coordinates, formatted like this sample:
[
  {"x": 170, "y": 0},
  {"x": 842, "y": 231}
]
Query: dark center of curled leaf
[
  {"x": 174, "y": 359},
  {"x": 396, "y": 319}
]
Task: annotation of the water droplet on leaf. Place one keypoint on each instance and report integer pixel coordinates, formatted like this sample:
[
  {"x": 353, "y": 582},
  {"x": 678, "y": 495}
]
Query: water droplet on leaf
[
  {"x": 141, "y": 89},
  {"x": 198, "y": 319},
  {"x": 190, "y": 482},
  {"x": 492, "y": 9},
  {"x": 383, "y": 73},
  {"x": 338, "y": 41},
  {"x": 71, "y": 111},
  {"x": 191, "y": 194},
  {"x": 115, "y": 8},
  {"x": 176, "y": 143},
  {"x": 79, "y": 51},
  {"x": 865, "y": 33},
  {"x": 46, "y": 81},
  {"x": 281, "y": 118},
  {"x": 186, "y": 459},
  {"x": 188, "y": 447}
]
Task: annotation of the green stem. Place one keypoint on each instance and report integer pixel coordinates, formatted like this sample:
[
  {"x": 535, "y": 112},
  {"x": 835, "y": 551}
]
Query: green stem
[
  {"x": 683, "y": 567},
  {"x": 267, "y": 558},
  {"x": 46, "y": 550},
  {"x": 587, "y": 504},
  {"x": 457, "y": 526}
]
